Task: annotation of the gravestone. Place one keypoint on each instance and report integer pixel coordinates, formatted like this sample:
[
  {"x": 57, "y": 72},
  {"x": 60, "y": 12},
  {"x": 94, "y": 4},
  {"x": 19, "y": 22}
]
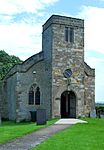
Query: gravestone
[
  {"x": 93, "y": 114},
  {"x": 41, "y": 116}
]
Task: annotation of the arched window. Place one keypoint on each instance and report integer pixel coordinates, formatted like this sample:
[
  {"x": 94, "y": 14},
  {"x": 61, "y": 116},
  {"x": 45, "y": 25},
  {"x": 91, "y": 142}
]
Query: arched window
[
  {"x": 37, "y": 96},
  {"x": 31, "y": 96}
]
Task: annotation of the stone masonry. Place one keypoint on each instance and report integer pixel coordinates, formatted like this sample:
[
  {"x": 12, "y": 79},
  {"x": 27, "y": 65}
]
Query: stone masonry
[{"x": 49, "y": 65}]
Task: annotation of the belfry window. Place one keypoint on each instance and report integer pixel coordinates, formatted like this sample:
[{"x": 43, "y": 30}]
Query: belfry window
[
  {"x": 69, "y": 34},
  {"x": 37, "y": 96},
  {"x": 31, "y": 97}
]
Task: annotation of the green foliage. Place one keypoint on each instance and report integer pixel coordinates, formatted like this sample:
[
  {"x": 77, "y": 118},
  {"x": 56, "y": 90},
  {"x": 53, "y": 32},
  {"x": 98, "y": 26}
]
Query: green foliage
[
  {"x": 89, "y": 136},
  {"x": 7, "y": 62},
  {"x": 10, "y": 130},
  {"x": 100, "y": 107}
]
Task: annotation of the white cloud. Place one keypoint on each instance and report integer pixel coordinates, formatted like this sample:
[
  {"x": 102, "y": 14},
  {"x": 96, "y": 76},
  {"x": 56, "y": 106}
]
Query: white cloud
[
  {"x": 21, "y": 38},
  {"x": 94, "y": 28},
  {"x": 94, "y": 44},
  {"x": 98, "y": 64},
  {"x": 18, "y": 6},
  {"x": 94, "y": 62},
  {"x": 21, "y": 33}
]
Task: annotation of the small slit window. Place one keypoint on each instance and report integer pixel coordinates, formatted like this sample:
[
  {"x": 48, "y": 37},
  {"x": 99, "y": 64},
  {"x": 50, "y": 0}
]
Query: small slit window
[
  {"x": 69, "y": 34},
  {"x": 66, "y": 34}
]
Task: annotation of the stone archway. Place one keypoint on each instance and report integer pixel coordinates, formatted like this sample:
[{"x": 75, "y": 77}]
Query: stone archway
[{"x": 68, "y": 104}]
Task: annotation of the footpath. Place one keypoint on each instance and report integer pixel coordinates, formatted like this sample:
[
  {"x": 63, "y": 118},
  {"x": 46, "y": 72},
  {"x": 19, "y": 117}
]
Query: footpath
[{"x": 33, "y": 139}]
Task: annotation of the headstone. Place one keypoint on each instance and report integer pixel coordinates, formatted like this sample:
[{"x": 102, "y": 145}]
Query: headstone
[
  {"x": 93, "y": 114},
  {"x": 41, "y": 116}
]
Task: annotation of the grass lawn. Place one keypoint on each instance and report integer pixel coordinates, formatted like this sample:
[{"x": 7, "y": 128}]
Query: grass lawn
[
  {"x": 88, "y": 136},
  {"x": 10, "y": 130}
]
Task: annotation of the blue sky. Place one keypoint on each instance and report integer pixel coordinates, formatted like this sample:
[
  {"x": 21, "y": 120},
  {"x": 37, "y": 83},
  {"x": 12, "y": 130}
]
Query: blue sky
[{"x": 21, "y": 29}]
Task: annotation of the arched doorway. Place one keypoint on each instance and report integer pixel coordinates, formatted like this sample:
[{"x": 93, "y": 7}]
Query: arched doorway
[{"x": 68, "y": 104}]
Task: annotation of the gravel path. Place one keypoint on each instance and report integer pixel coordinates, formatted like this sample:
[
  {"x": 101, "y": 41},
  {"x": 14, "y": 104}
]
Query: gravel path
[{"x": 31, "y": 140}]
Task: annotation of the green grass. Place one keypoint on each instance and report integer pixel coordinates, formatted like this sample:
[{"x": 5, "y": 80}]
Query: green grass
[
  {"x": 88, "y": 136},
  {"x": 10, "y": 130}
]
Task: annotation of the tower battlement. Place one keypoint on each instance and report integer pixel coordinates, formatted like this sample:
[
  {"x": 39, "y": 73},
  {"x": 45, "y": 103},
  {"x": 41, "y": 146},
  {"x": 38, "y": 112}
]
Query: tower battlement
[{"x": 63, "y": 20}]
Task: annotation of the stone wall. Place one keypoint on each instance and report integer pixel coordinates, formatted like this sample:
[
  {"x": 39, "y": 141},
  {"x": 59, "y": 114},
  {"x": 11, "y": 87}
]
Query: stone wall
[
  {"x": 63, "y": 20},
  {"x": 25, "y": 81},
  {"x": 11, "y": 96},
  {"x": 47, "y": 49},
  {"x": 89, "y": 81},
  {"x": 67, "y": 55},
  {"x": 3, "y": 100},
  {"x": 18, "y": 90}
]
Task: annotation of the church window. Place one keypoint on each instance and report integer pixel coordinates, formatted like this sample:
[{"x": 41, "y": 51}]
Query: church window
[
  {"x": 37, "y": 96},
  {"x": 69, "y": 34},
  {"x": 66, "y": 34},
  {"x": 31, "y": 97}
]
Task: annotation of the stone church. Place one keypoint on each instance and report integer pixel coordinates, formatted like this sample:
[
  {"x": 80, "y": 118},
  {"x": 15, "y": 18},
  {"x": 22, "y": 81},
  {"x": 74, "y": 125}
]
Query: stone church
[{"x": 56, "y": 79}]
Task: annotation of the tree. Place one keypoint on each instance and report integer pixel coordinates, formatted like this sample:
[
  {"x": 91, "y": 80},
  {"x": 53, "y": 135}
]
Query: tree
[{"x": 7, "y": 62}]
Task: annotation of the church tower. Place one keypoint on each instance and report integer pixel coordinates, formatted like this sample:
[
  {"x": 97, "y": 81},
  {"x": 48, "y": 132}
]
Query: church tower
[
  {"x": 63, "y": 46},
  {"x": 57, "y": 79}
]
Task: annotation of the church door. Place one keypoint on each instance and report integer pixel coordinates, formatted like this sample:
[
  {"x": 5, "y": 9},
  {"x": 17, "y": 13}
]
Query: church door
[{"x": 68, "y": 105}]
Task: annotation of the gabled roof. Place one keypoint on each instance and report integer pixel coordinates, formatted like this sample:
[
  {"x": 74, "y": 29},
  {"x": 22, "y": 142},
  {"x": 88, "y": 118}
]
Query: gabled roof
[
  {"x": 88, "y": 70},
  {"x": 26, "y": 65}
]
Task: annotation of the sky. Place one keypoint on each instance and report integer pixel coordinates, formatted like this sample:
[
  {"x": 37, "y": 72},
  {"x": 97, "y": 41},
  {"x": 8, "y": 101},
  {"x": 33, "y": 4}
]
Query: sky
[{"x": 21, "y": 29}]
